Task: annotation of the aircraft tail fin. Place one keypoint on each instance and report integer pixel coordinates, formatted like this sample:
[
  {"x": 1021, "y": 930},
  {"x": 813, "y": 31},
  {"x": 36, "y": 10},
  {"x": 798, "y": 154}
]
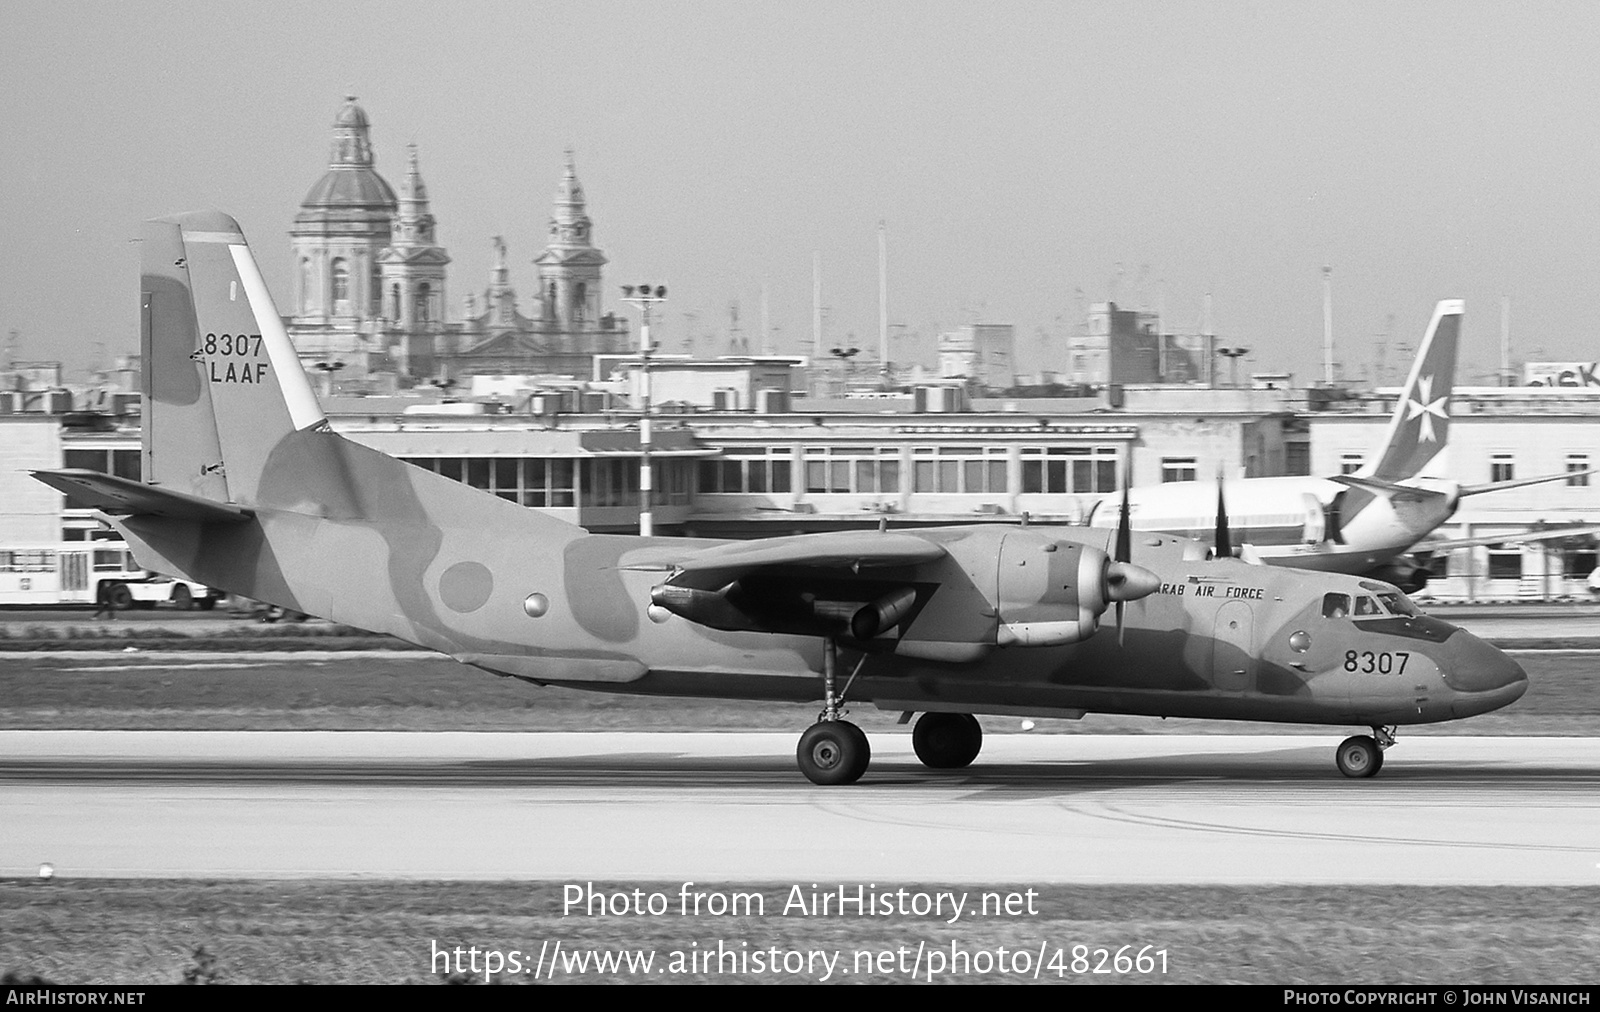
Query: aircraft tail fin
[
  {"x": 223, "y": 385},
  {"x": 1421, "y": 421},
  {"x": 247, "y": 489}
]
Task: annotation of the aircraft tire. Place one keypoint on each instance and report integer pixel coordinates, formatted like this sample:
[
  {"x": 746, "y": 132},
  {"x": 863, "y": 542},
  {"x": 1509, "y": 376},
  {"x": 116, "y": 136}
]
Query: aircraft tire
[
  {"x": 947, "y": 741},
  {"x": 1359, "y": 757},
  {"x": 833, "y": 752}
]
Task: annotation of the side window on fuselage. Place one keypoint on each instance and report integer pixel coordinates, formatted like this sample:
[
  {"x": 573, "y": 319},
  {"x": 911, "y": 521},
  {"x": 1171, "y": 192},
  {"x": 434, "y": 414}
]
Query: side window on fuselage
[{"x": 1335, "y": 605}]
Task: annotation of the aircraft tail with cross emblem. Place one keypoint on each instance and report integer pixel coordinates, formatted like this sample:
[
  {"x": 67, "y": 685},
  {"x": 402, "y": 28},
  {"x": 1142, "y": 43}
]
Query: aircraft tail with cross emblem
[{"x": 1421, "y": 421}]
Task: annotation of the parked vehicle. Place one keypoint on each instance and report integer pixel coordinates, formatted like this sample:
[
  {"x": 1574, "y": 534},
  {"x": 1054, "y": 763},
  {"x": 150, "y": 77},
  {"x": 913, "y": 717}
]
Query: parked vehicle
[{"x": 92, "y": 572}]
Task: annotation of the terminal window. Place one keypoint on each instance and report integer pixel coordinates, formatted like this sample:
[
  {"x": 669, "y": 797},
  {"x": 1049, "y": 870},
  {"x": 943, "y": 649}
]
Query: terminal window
[
  {"x": 1577, "y": 470},
  {"x": 1178, "y": 469},
  {"x": 1505, "y": 562},
  {"x": 1069, "y": 469},
  {"x": 1501, "y": 467},
  {"x": 960, "y": 469},
  {"x": 531, "y": 481},
  {"x": 747, "y": 469},
  {"x": 864, "y": 470}
]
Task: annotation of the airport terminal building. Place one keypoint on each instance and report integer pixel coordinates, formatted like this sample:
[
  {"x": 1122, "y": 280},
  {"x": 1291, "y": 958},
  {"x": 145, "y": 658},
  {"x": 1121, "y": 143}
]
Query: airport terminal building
[{"x": 888, "y": 459}]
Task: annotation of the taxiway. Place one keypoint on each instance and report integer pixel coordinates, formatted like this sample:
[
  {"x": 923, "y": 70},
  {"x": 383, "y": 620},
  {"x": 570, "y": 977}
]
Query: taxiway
[{"x": 1212, "y": 809}]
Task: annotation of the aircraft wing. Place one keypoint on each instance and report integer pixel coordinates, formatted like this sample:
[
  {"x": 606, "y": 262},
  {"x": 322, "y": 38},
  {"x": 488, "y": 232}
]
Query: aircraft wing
[
  {"x": 1388, "y": 489},
  {"x": 121, "y": 495},
  {"x": 1495, "y": 486},
  {"x": 850, "y": 550},
  {"x": 806, "y": 583},
  {"x": 1553, "y": 534}
]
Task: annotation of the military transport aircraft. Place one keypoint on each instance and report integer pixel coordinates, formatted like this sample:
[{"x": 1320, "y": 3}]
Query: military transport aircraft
[
  {"x": 245, "y": 487},
  {"x": 1365, "y": 523}
]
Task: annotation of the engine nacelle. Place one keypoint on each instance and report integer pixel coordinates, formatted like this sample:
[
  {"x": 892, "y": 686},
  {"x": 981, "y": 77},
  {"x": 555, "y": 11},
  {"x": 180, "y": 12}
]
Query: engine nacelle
[
  {"x": 883, "y": 614},
  {"x": 1050, "y": 633},
  {"x": 1053, "y": 592},
  {"x": 1409, "y": 578},
  {"x": 703, "y": 607}
]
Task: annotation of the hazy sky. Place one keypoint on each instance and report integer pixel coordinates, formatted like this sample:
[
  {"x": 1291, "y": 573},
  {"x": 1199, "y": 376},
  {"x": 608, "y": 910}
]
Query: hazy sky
[{"x": 1019, "y": 152}]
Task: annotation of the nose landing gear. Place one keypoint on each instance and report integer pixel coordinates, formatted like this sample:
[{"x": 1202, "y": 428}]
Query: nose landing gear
[
  {"x": 1361, "y": 756},
  {"x": 833, "y": 752}
]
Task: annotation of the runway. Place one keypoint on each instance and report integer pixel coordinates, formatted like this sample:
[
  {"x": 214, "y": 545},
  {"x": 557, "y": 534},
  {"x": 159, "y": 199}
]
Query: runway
[{"x": 732, "y": 807}]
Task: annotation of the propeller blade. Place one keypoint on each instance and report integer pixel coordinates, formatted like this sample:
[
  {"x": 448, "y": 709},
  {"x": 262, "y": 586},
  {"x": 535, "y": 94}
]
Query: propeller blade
[
  {"x": 1124, "y": 547},
  {"x": 1224, "y": 539},
  {"x": 1123, "y": 555}
]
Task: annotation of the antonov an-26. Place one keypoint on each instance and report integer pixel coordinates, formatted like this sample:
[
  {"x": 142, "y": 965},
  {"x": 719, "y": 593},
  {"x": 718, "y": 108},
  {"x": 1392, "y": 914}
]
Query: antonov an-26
[{"x": 245, "y": 487}]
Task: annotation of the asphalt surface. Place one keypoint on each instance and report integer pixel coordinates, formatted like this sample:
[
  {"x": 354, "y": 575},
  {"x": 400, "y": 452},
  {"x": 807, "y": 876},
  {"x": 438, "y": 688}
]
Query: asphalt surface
[{"x": 1213, "y": 809}]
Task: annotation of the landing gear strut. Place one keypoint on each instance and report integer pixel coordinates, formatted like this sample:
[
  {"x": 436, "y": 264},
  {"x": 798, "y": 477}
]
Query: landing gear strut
[
  {"x": 833, "y": 750},
  {"x": 1361, "y": 756},
  {"x": 947, "y": 741}
]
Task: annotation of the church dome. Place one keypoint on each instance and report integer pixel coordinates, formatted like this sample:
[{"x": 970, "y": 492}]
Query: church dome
[
  {"x": 351, "y": 115},
  {"x": 349, "y": 187},
  {"x": 351, "y": 183}
]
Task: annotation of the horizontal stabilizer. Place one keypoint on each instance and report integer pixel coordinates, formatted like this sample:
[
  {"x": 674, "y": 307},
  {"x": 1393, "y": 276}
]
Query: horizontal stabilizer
[
  {"x": 1551, "y": 534},
  {"x": 1388, "y": 489},
  {"x": 124, "y": 496},
  {"x": 1495, "y": 486}
]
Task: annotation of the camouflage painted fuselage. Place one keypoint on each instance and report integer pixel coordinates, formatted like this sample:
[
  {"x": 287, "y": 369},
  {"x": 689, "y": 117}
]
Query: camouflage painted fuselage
[
  {"x": 247, "y": 489},
  {"x": 403, "y": 551}
]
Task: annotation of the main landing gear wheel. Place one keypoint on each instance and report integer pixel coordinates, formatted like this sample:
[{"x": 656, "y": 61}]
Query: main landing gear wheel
[
  {"x": 947, "y": 741},
  {"x": 1359, "y": 757},
  {"x": 833, "y": 752}
]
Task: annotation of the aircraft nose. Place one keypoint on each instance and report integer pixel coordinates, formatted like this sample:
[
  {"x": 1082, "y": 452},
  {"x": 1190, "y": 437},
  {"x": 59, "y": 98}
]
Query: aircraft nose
[{"x": 1484, "y": 676}]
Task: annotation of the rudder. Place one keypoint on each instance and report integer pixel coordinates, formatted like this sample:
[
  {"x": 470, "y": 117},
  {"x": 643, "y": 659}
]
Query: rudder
[{"x": 223, "y": 384}]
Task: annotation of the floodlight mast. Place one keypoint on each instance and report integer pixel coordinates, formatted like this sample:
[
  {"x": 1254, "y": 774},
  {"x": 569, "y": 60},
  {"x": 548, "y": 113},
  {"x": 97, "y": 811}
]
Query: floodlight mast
[{"x": 645, "y": 296}]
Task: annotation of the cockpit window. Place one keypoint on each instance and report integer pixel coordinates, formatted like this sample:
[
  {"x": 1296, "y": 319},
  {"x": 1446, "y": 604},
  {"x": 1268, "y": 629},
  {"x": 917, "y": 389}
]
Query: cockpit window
[
  {"x": 1335, "y": 605},
  {"x": 1367, "y": 606},
  {"x": 1399, "y": 604}
]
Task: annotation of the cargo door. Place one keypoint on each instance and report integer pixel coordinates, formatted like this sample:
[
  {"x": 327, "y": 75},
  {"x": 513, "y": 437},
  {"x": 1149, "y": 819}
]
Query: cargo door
[{"x": 1233, "y": 658}]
